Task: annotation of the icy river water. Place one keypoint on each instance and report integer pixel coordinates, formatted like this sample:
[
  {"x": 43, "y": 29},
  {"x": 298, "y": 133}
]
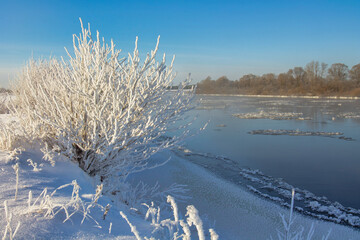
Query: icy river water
[{"x": 271, "y": 144}]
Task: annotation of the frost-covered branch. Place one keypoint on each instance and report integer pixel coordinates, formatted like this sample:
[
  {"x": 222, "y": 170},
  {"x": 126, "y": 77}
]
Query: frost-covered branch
[
  {"x": 16, "y": 169},
  {"x": 177, "y": 228},
  {"x": 132, "y": 227},
  {"x": 8, "y": 229},
  {"x": 289, "y": 233},
  {"x": 34, "y": 165},
  {"x": 194, "y": 219},
  {"x": 46, "y": 205}
]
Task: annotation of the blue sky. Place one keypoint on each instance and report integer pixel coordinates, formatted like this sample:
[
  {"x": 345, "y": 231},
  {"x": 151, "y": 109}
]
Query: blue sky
[{"x": 213, "y": 38}]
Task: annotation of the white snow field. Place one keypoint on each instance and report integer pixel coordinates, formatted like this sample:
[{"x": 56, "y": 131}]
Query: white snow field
[
  {"x": 234, "y": 212},
  {"x": 49, "y": 205}
]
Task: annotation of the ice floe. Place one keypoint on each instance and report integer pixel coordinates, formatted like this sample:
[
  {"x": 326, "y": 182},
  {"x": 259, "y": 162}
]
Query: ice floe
[
  {"x": 210, "y": 107},
  {"x": 338, "y": 135},
  {"x": 351, "y": 115},
  {"x": 272, "y": 115}
]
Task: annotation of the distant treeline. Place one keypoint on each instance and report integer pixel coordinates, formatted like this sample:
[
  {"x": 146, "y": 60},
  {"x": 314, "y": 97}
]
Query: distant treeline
[
  {"x": 4, "y": 90},
  {"x": 315, "y": 79},
  {"x": 177, "y": 87}
]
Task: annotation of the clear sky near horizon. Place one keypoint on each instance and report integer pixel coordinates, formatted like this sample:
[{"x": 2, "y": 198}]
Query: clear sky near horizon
[{"x": 209, "y": 38}]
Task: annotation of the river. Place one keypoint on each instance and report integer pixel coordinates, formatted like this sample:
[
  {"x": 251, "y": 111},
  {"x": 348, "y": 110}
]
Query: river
[{"x": 272, "y": 144}]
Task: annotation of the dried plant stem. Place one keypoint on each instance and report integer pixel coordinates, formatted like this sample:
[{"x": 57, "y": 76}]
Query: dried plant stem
[
  {"x": 8, "y": 228},
  {"x": 132, "y": 227},
  {"x": 16, "y": 169}
]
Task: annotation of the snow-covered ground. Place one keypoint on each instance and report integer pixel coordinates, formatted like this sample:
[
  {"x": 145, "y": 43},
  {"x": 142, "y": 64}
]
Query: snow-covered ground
[
  {"x": 35, "y": 225},
  {"x": 234, "y": 212},
  {"x": 50, "y": 206}
]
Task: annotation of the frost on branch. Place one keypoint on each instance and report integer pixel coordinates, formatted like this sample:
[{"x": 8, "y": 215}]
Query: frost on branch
[
  {"x": 8, "y": 219},
  {"x": 16, "y": 169},
  {"x": 177, "y": 229},
  {"x": 108, "y": 114},
  {"x": 298, "y": 234},
  {"x": 47, "y": 205}
]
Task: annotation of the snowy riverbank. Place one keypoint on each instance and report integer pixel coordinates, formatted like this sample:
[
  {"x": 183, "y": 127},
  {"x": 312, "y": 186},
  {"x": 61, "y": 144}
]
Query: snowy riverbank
[{"x": 234, "y": 212}]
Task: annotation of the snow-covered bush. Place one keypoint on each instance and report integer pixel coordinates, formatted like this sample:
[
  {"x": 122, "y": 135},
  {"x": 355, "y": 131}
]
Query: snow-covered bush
[{"x": 108, "y": 114}]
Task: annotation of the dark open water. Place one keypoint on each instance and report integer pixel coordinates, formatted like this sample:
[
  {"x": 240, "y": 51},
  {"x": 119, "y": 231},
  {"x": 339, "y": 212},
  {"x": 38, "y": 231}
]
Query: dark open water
[{"x": 324, "y": 165}]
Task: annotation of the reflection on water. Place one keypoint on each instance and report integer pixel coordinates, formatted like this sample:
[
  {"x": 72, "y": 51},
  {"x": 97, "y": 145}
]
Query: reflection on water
[{"x": 323, "y": 165}]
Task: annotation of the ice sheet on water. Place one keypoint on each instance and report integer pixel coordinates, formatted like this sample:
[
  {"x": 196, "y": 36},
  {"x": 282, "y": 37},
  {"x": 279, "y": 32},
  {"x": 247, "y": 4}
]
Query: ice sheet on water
[
  {"x": 351, "y": 115},
  {"x": 277, "y": 102},
  {"x": 297, "y": 132},
  {"x": 211, "y": 107},
  {"x": 272, "y": 115},
  {"x": 274, "y": 189},
  {"x": 294, "y": 133}
]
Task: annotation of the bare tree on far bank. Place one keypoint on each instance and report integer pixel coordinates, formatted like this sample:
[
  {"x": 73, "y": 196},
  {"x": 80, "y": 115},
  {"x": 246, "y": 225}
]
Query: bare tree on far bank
[{"x": 315, "y": 79}]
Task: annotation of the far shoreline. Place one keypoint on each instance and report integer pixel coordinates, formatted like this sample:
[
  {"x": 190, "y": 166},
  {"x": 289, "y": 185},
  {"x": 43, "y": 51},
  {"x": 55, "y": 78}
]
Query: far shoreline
[{"x": 281, "y": 96}]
